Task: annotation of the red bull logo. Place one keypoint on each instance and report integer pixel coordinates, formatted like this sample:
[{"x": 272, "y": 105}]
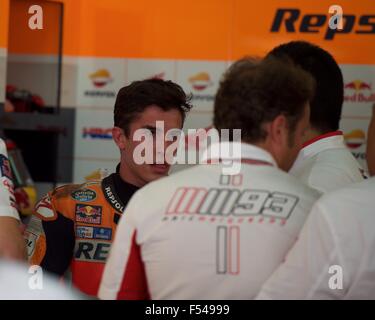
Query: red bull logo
[
  {"x": 88, "y": 211},
  {"x": 358, "y": 85},
  {"x": 359, "y": 91},
  {"x": 88, "y": 214}
]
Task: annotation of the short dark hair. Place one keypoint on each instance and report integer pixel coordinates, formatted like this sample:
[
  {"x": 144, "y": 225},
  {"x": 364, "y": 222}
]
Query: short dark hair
[
  {"x": 253, "y": 93},
  {"x": 327, "y": 103},
  {"x": 133, "y": 99}
]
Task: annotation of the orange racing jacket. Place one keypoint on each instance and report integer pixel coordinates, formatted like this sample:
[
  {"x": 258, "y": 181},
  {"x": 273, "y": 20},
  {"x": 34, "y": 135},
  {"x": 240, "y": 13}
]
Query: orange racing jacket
[{"x": 73, "y": 227}]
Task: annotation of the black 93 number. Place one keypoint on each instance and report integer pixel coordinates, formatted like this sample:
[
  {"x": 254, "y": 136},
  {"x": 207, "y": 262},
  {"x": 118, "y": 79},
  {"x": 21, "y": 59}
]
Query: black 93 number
[{"x": 208, "y": 309}]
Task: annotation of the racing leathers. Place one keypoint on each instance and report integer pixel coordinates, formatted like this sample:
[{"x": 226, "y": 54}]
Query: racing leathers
[{"x": 73, "y": 226}]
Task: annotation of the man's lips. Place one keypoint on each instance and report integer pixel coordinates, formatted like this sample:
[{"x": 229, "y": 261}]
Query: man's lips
[{"x": 160, "y": 168}]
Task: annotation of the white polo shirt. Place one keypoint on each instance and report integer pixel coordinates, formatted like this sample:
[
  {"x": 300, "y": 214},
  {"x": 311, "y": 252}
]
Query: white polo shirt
[
  {"x": 337, "y": 240},
  {"x": 7, "y": 197},
  {"x": 326, "y": 164},
  {"x": 202, "y": 234}
]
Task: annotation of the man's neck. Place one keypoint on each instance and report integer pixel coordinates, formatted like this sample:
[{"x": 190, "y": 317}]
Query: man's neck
[
  {"x": 312, "y": 134},
  {"x": 127, "y": 176}
]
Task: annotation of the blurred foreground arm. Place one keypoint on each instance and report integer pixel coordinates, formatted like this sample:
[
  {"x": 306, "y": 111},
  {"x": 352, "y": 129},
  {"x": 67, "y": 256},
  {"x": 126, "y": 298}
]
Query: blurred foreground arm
[{"x": 12, "y": 244}]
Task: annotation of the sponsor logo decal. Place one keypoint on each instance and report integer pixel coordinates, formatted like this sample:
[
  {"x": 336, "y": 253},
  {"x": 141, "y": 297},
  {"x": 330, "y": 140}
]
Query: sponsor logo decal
[
  {"x": 220, "y": 203},
  {"x": 292, "y": 20},
  {"x": 200, "y": 82},
  {"x": 94, "y": 233},
  {"x": 355, "y": 138},
  {"x": 85, "y": 195},
  {"x": 44, "y": 208},
  {"x": 97, "y": 133},
  {"x": 359, "y": 91},
  {"x": 112, "y": 199},
  {"x": 100, "y": 80},
  {"x": 91, "y": 251},
  {"x": 88, "y": 214}
]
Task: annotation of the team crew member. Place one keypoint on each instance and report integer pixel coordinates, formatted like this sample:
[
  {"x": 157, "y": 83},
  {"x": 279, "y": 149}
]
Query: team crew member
[
  {"x": 210, "y": 235},
  {"x": 12, "y": 244},
  {"x": 324, "y": 163},
  {"x": 333, "y": 257},
  {"x": 73, "y": 226}
]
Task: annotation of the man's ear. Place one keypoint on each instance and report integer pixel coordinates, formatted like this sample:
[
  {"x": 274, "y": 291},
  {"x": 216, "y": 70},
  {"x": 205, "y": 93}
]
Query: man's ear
[
  {"x": 119, "y": 137},
  {"x": 278, "y": 129}
]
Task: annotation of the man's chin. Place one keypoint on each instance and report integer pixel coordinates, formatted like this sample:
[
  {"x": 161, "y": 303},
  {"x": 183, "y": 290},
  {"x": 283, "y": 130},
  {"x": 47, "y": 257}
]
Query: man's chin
[{"x": 159, "y": 170}]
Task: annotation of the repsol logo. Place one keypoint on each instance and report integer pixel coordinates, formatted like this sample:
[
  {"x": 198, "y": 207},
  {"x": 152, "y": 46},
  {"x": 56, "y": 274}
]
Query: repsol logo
[
  {"x": 91, "y": 251},
  {"x": 111, "y": 197},
  {"x": 293, "y": 21}
]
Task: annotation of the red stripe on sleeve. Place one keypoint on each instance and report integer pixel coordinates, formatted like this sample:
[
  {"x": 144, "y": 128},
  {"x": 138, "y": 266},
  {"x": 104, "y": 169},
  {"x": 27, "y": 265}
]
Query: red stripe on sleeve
[{"x": 134, "y": 282}]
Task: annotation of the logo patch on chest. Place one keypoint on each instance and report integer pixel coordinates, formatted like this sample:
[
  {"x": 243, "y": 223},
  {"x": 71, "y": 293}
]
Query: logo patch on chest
[
  {"x": 88, "y": 214},
  {"x": 94, "y": 233},
  {"x": 85, "y": 195}
]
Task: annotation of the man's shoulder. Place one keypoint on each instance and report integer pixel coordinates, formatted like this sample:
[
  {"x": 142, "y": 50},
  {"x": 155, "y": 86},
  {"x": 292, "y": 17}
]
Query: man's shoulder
[
  {"x": 64, "y": 199},
  {"x": 329, "y": 170},
  {"x": 355, "y": 193},
  {"x": 203, "y": 176},
  {"x": 295, "y": 185},
  {"x": 181, "y": 177},
  {"x": 337, "y": 156},
  {"x": 84, "y": 192}
]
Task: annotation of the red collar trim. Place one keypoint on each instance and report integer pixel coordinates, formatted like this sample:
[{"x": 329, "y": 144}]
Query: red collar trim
[{"x": 323, "y": 136}]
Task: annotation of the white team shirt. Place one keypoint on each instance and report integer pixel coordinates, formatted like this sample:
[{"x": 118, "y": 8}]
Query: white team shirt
[
  {"x": 326, "y": 164},
  {"x": 7, "y": 197},
  {"x": 19, "y": 282},
  {"x": 199, "y": 234},
  {"x": 339, "y": 232}
]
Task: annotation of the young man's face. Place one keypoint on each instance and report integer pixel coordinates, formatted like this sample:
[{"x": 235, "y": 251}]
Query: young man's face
[
  {"x": 293, "y": 144},
  {"x": 156, "y": 144}
]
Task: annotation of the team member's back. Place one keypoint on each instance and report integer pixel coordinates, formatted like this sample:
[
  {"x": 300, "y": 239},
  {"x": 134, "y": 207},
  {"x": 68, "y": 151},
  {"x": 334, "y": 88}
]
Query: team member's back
[
  {"x": 334, "y": 256},
  {"x": 209, "y": 235},
  {"x": 213, "y": 231},
  {"x": 324, "y": 162}
]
